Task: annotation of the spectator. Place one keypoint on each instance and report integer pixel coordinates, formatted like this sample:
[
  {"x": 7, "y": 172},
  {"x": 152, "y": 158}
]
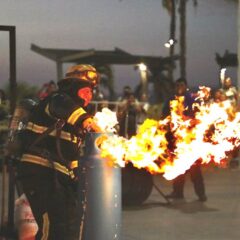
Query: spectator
[
  {"x": 2, "y": 96},
  {"x": 99, "y": 99},
  {"x": 219, "y": 96},
  {"x": 47, "y": 89},
  {"x": 3, "y": 105},
  {"x": 231, "y": 94},
  {"x": 98, "y": 95},
  {"x": 195, "y": 170},
  {"x": 144, "y": 107},
  {"x": 126, "y": 93},
  {"x": 230, "y": 91},
  {"x": 129, "y": 107}
]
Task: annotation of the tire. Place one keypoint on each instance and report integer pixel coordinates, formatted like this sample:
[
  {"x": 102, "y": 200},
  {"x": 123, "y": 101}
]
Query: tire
[{"x": 137, "y": 185}]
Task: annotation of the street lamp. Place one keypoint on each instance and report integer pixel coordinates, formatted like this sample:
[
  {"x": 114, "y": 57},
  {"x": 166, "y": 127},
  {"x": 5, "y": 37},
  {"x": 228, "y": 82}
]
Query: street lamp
[
  {"x": 169, "y": 43},
  {"x": 142, "y": 67},
  {"x": 222, "y": 75}
]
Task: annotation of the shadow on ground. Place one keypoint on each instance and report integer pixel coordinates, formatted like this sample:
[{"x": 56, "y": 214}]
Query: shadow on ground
[{"x": 180, "y": 205}]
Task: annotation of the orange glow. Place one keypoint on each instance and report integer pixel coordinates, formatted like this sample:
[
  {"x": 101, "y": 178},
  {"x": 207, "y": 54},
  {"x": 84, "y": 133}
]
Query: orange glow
[{"x": 208, "y": 137}]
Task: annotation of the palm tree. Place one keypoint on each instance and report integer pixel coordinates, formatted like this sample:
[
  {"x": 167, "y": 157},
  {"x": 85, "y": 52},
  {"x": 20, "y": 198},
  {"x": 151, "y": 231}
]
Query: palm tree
[
  {"x": 170, "y": 5},
  {"x": 164, "y": 83},
  {"x": 182, "y": 13}
]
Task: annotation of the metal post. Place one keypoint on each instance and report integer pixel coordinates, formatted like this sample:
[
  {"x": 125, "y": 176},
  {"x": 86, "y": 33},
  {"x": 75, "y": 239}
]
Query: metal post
[
  {"x": 103, "y": 195},
  {"x": 12, "y": 61},
  {"x": 238, "y": 55},
  {"x": 13, "y": 82},
  {"x": 59, "y": 70},
  {"x": 13, "y": 97}
]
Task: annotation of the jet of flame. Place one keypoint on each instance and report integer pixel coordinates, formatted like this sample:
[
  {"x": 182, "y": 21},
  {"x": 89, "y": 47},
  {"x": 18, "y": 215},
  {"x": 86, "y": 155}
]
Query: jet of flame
[
  {"x": 172, "y": 145},
  {"x": 106, "y": 120}
]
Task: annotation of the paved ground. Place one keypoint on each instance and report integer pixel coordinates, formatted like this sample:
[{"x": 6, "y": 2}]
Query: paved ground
[{"x": 216, "y": 219}]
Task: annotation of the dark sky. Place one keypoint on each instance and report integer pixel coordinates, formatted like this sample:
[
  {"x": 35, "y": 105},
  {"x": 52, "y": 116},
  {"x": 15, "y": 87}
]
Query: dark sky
[{"x": 136, "y": 26}]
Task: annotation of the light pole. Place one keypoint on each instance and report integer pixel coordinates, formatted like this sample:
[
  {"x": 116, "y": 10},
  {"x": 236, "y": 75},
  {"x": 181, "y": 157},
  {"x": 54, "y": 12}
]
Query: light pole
[
  {"x": 222, "y": 76},
  {"x": 144, "y": 79}
]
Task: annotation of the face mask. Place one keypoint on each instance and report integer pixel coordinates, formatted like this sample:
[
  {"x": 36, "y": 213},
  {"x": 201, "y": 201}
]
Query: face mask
[{"x": 85, "y": 94}]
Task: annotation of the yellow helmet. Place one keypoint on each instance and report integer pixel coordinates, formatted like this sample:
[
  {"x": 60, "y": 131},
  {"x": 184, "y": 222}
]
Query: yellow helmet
[{"x": 83, "y": 72}]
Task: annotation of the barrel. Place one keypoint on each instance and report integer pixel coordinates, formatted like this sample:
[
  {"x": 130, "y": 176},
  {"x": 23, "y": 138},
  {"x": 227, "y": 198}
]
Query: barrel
[
  {"x": 137, "y": 185},
  {"x": 103, "y": 194}
]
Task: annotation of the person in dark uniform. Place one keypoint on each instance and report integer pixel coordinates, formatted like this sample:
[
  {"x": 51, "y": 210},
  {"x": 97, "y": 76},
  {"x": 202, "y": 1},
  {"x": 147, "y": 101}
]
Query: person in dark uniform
[
  {"x": 48, "y": 169},
  {"x": 195, "y": 170},
  {"x": 128, "y": 111}
]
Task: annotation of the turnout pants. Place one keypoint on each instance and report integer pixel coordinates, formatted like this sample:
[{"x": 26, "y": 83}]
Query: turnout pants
[
  {"x": 196, "y": 178},
  {"x": 55, "y": 206}
]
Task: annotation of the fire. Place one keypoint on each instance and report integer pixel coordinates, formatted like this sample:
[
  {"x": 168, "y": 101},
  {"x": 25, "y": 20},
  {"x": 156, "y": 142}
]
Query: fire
[
  {"x": 106, "y": 120},
  {"x": 172, "y": 145}
]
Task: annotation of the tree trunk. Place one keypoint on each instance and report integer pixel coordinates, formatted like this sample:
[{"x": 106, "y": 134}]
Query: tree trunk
[
  {"x": 172, "y": 36},
  {"x": 182, "y": 12}
]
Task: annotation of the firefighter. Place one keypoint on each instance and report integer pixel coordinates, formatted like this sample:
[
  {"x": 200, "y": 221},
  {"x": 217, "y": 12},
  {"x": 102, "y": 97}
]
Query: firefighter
[{"x": 48, "y": 168}]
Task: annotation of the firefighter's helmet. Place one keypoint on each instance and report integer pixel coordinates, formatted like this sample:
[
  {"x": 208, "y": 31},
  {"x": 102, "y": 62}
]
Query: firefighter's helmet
[{"x": 83, "y": 72}]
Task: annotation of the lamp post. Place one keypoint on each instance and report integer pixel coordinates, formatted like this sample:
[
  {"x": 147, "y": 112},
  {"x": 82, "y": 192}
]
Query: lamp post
[
  {"x": 170, "y": 44},
  {"x": 222, "y": 76},
  {"x": 144, "y": 80}
]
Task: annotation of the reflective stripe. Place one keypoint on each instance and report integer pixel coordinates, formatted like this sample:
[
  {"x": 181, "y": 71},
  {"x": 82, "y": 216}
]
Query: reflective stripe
[
  {"x": 47, "y": 110},
  {"x": 40, "y": 129},
  {"x": 45, "y": 227},
  {"x": 88, "y": 123},
  {"x": 76, "y": 115},
  {"x": 46, "y": 163},
  {"x": 36, "y": 128},
  {"x": 73, "y": 164}
]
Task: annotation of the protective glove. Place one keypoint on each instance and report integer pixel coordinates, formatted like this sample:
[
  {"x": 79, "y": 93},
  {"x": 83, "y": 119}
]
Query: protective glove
[{"x": 91, "y": 126}]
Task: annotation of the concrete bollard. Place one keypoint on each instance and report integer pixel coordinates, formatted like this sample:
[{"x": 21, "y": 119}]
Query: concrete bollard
[{"x": 103, "y": 195}]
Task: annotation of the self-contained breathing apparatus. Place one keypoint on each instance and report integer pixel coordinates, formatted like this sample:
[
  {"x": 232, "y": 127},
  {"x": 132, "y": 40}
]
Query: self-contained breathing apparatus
[
  {"x": 18, "y": 124},
  {"x": 16, "y": 146},
  {"x": 15, "y": 142}
]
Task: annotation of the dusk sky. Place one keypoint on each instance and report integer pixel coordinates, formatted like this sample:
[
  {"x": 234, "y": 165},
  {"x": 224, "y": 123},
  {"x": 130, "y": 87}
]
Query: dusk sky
[{"x": 137, "y": 26}]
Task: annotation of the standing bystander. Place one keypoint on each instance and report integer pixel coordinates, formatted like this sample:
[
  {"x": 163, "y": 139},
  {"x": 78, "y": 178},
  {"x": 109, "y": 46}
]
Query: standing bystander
[
  {"x": 231, "y": 94},
  {"x": 195, "y": 171},
  {"x": 128, "y": 110},
  {"x": 230, "y": 91}
]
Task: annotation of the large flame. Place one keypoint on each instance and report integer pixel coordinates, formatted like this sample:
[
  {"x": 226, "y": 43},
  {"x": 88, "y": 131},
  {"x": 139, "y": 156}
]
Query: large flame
[{"x": 172, "y": 145}]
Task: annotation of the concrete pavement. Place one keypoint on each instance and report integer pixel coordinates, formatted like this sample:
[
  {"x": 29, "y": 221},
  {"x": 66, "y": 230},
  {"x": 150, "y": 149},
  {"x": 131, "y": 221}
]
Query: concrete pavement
[{"x": 189, "y": 219}]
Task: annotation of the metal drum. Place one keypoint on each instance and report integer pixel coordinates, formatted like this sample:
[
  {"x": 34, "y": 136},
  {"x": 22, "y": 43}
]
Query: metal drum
[{"x": 103, "y": 195}]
